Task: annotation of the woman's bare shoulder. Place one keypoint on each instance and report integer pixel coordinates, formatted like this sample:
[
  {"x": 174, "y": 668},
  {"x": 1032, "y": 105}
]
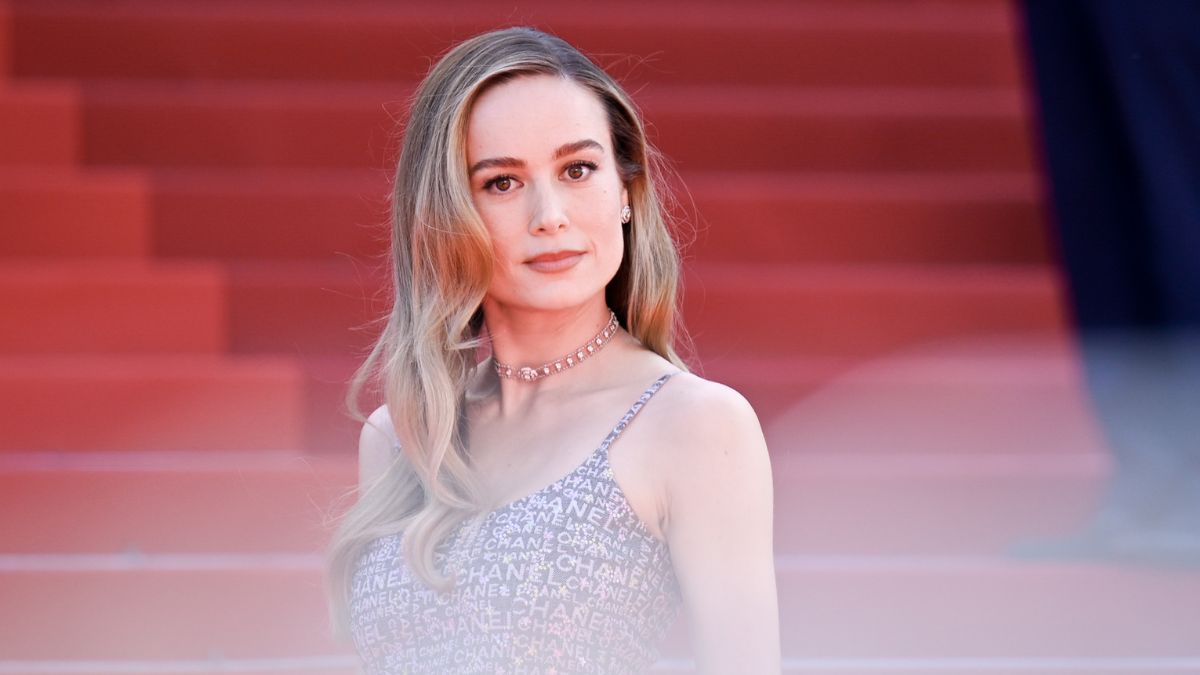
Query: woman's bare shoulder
[
  {"x": 693, "y": 406},
  {"x": 708, "y": 429},
  {"x": 377, "y": 446}
]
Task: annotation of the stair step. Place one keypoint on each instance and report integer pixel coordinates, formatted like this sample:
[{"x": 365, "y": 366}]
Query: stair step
[
  {"x": 40, "y": 124},
  {"x": 839, "y": 130},
  {"x": 798, "y": 43},
  {"x": 271, "y": 214},
  {"x": 811, "y": 310},
  {"x": 831, "y": 607},
  {"x": 862, "y": 310},
  {"x": 699, "y": 128},
  {"x": 965, "y": 397},
  {"x": 981, "y": 368},
  {"x": 877, "y": 503},
  {"x": 862, "y": 218},
  {"x": 170, "y": 502},
  {"x": 329, "y": 428},
  {"x": 163, "y": 402},
  {"x": 115, "y": 307},
  {"x": 275, "y": 609},
  {"x": 935, "y": 219},
  {"x": 878, "y": 607},
  {"x": 262, "y": 502},
  {"x": 68, "y": 213},
  {"x": 305, "y": 308}
]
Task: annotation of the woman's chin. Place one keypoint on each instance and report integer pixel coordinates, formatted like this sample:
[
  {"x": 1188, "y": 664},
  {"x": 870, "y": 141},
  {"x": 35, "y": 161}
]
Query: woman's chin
[{"x": 551, "y": 303}]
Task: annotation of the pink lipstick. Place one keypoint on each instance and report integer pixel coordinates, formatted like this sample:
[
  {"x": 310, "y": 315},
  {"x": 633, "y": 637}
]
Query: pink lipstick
[{"x": 555, "y": 261}]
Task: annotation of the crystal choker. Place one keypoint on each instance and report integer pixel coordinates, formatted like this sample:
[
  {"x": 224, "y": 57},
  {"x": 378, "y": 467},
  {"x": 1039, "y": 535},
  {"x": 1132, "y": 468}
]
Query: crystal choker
[{"x": 530, "y": 374}]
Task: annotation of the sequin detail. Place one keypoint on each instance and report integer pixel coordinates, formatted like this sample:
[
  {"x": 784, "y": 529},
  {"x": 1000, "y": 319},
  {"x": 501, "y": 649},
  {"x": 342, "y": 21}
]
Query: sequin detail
[{"x": 565, "y": 580}]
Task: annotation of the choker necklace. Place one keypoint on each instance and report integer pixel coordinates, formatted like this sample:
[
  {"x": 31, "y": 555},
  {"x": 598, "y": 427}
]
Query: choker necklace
[{"x": 571, "y": 360}]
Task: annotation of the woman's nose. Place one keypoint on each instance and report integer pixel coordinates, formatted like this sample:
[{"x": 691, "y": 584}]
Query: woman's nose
[{"x": 548, "y": 216}]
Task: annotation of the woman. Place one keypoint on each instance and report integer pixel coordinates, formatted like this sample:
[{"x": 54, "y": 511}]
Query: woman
[{"x": 491, "y": 533}]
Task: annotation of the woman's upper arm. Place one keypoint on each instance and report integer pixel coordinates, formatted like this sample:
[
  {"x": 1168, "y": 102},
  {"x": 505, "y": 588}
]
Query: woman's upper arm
[
  {"x": 376, "y": 447},
  {"x": 719, "y": 529}
]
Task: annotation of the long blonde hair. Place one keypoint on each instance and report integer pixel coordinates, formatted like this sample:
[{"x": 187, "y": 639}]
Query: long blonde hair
[{"x": 441, "y": 260}]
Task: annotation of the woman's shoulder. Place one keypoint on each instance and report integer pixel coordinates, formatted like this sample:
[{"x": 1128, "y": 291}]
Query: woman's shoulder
[
  {"x": 694, "y": 405},
  {"x": 377, "y": 446},
  {"x": 708, "y": 441},
  {"x": 697, "y": 418},
  {"x": 379, "y": 430}
]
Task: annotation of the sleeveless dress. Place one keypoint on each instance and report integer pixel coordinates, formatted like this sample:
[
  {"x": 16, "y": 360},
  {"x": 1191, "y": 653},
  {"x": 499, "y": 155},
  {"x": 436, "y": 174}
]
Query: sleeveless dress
[{"x": 565, "y": 580}]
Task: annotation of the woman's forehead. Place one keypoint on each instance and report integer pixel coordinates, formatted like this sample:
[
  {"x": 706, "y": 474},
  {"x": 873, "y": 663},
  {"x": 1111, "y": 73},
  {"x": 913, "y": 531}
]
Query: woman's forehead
[{"x": 530, "y": 117}]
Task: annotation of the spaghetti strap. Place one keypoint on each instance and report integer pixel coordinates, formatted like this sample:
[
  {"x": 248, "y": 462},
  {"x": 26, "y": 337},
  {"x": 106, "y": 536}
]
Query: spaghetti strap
[{"x": 632, "y": 412}]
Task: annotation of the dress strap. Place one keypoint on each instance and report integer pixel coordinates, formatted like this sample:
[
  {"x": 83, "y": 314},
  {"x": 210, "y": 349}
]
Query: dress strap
[{"x": 632, "y": 412}]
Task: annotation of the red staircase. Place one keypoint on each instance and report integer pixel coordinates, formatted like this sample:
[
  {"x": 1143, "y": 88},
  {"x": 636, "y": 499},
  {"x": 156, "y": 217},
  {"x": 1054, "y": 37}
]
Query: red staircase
[{"x": 192, "y": 197}]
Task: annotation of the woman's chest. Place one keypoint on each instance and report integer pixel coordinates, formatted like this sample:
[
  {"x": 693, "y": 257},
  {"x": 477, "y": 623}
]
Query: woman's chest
[
  {"x": 559, "y": 569},
  {"x": 513, "y": 467},
  {"x": 556, "y": 565}
]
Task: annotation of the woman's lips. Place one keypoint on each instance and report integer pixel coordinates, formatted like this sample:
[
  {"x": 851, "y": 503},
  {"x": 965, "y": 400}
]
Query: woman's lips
[{"x": 555, "y": 262}]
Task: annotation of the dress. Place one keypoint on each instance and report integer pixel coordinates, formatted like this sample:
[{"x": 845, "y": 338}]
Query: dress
[{"x": 565, "y": 580}]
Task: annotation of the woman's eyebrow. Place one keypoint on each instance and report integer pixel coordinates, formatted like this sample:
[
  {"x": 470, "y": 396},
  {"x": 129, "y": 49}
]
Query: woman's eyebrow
[
  {"x": 502, "y": 162},
  {"x": 513, "y": 162},
  {"x": 585, "y": 144}
]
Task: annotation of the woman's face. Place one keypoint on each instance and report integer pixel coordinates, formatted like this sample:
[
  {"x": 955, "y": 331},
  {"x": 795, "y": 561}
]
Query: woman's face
[{"x": 544, "y": 178}]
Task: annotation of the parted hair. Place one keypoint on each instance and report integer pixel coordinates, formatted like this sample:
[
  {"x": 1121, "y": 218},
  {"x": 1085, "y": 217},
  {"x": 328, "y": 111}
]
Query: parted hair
[{"x": 441, "y": 264}]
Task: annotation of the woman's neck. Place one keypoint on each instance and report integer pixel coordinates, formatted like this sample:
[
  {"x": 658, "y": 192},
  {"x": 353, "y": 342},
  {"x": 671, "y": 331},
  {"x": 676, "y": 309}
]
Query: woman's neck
[{"x": 532, "y": 338}]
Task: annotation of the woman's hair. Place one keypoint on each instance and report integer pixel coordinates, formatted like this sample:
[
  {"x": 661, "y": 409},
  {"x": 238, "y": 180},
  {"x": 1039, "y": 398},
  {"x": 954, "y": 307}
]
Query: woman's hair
[{"x": 441, "y": 265}]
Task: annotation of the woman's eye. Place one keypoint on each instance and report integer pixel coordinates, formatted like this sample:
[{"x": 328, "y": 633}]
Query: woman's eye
[
  {"x": 580, "y": 170},
  {"x": 499, "y": 184}
]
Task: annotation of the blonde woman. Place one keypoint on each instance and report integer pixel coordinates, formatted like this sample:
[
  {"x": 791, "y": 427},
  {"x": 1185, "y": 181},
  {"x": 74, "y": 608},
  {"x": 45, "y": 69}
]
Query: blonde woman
[{"x": 553, "y": 507}]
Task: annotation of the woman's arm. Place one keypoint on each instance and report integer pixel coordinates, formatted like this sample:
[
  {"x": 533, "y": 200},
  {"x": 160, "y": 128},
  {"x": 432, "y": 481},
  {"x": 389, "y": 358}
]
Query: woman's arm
[{"x": 719, "y": 529}]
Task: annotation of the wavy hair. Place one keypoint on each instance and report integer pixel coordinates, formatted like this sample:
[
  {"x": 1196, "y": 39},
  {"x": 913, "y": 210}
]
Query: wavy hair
[{"x": 441, "y": 265}]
